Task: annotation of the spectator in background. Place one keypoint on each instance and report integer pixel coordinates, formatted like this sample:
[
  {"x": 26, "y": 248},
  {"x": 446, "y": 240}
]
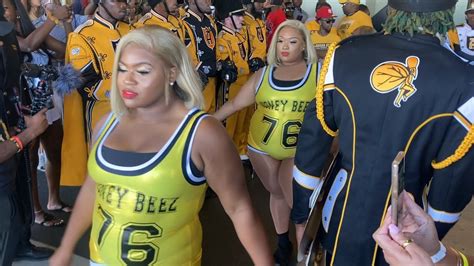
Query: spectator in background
[
  {"x": 51, "y": 139},
  {"x": 288, "y": 8},
  {"x": 15, "y": 197},
  {"x": 39, "y": 48},
  {"x": 322, "y": 31},
  {"x": 274, "y": 18},
  {"x": 353, "y": 20},
  {"x": 461, "y": 39},
  {"x": 299, "y": 13}
]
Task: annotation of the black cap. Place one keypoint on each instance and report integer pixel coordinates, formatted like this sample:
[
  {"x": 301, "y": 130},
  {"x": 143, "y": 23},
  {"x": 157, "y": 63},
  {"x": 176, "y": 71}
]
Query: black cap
[
  {"x": 422, "y": 5},
  {"x": 226, "y": 8},
  {"x": 153, "y": 3}
]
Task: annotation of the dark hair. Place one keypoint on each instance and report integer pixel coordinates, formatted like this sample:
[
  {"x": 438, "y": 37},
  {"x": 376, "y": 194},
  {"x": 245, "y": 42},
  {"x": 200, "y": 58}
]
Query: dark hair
[
  {"x": 2, "y": 11},
  {"x": 26, "y": 26},
  {"x": 364, "y": 8}
]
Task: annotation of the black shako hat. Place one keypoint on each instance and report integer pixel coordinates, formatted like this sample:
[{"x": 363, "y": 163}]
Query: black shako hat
[
  {"x": 424, "y": 6},
  {"x": 226, "y": 8},
  {"x": 153, "y": 3}
]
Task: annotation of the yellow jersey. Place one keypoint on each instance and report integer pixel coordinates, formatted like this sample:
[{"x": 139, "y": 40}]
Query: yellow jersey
[
  {"x": 351, "y": 23},
  {"x": 276, "y": 123},
  {"x": 146, "y": 213}
]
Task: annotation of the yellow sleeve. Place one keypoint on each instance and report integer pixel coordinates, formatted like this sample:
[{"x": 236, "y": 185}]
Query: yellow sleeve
[
  {"x": 81, "y": 56},
  {"x": 224, "y": 51},
  {"x": 258, "y": 43},
  {"x": 453, "y": 38},
  {"x": 363, "y": 20},
  {"x": 190, "y": 43}
]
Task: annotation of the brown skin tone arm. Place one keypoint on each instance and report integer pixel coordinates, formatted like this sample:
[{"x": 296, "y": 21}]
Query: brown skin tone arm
[
  {"x": 35, "y": 125},
  {"x": 36, "y": 38},
  {"x": 58, "y": 47},
  {"x": 244, "y": 98},
  {"x": 225, "y": 175},
  {"x": 81, "y": 217}
]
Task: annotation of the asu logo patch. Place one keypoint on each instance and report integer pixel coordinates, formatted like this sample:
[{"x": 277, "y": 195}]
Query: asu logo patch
[
  {"x": 209, "y": 37},
  {"x": 392, "y": 75}
]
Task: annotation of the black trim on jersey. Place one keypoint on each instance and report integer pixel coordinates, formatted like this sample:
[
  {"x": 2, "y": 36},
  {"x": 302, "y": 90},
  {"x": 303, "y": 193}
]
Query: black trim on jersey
[
  {"x": 301, "y": 83},
  {"x": 125, "y": 158},
  {"x": 193, "y": 167},
  {"x": 165, "y": 152},
  {"x": 286, "y": 83},
  {"x": 102, "y": 21}
]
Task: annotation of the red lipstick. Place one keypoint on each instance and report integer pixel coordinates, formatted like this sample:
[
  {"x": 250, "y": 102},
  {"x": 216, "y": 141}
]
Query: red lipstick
[{"x": 128, "y": 94}]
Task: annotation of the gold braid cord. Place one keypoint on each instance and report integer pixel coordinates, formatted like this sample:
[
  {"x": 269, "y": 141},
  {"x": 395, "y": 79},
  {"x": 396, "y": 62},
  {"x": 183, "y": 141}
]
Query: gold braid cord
[
  {"x": 320, "y": 91},
  {"x": 463, "y": 148}
]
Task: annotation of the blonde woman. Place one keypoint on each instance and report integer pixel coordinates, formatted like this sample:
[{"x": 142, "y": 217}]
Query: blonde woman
[
  {"x": 150, "y": 164},
  {"x": 281, "y": 91}
]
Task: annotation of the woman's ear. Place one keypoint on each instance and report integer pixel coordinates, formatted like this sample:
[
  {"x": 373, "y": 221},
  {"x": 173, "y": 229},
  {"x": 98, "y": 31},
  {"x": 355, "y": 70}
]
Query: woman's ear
[{"x": 173, "y": 73}]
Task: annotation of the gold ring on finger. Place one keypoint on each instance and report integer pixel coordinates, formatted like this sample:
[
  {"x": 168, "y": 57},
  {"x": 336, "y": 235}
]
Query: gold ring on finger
[{"x": 406, "y": 243}]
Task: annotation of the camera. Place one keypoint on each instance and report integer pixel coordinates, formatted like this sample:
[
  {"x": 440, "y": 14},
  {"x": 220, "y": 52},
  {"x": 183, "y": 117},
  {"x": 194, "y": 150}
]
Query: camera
[{"x": 39, "y": 79}]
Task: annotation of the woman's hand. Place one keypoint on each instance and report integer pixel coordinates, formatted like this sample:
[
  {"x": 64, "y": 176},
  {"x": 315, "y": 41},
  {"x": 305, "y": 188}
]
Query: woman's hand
[
  {"x": 416, "y": 224},
  {"x": 398, "y": 248},
  {"x": 61, "y": 12},
  {"x": 416, "y": 239}
]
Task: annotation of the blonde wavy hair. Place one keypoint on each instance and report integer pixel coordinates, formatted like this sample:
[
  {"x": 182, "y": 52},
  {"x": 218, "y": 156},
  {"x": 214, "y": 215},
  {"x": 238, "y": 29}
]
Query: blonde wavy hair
[
  {"x": 169, "y": 49},
  {"x": 309, "y": 52}
]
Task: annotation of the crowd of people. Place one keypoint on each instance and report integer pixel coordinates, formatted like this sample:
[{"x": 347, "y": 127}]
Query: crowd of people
[{"x": 162, "y": 81}]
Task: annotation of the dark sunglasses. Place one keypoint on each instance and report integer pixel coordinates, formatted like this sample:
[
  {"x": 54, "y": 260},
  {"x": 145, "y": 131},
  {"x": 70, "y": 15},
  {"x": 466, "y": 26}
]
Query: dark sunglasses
[{"x": 329, "y": 20}]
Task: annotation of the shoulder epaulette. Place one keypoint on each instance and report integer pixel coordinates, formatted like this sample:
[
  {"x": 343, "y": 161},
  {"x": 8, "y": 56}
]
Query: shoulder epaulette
[
  {"x": 84, "y": 25},
  {"x": 320, "y": 91},
  {"x": 145, "y": 17}
]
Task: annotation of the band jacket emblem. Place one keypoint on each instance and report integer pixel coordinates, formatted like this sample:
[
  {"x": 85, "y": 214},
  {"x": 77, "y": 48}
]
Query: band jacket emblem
[
  {"x": 260, "y": 34},
  {"x": 209, "y": 37},
  {"x": 392, "y": 75}
]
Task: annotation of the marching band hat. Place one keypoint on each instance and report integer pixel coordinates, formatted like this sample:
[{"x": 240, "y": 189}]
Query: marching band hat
[
  {"x": 226, "y": 8},
  {"x": 421, "y": 5},
  {"x": 153, "y": 3},
  {"x": 470, "y": 6}
]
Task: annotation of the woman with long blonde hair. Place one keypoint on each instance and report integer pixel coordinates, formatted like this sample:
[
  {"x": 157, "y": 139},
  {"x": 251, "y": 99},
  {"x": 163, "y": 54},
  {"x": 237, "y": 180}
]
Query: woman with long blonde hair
[
  {"x": 281, "y": 91},
  {"x": 150, "y": 165}
]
